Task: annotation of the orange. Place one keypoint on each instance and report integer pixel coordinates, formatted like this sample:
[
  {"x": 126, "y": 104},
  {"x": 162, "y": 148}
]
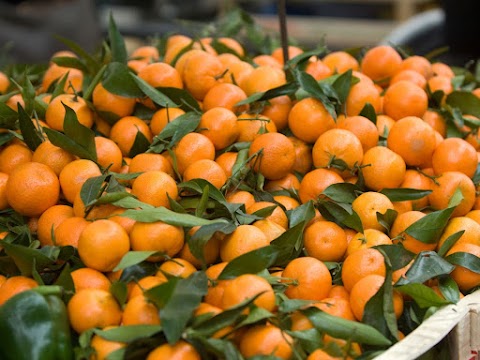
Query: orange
[
  {"x": 50, "y": 220},
  {"x": 206, "y": 169},
  {"x": 251, "y": 126},
  {"x": 361, "y": 263},
  {"x": 340, "y": 61},
  {"x": 318, "y": 69},
  {"x": 32, "y": 188},
  {"x": 309, "y": 279},
  {"x": 87, "y": 278},
  {"x": 14, "y": 100},
  {"x": 276, "y": 155},
  {"x": 53, "y": 156},
  {"x": 445, "y": 187},
  {"x": 436, "y": 121},
  {"x": 145, "y": 53},
  {"x": 55, "y": 72},
  {"x": 14, "y": 155},
  {"x": 419, "y": 64},
  {"x": 229, "y": 42},
  {"x": 181, "y": 350},
  {"x": 409, "y": 75},
  {"x": 145, "y": 283},
  {"x": 125, "y": 130},
  {"x": 308, "y": 119},
  {"x": 125, "y": 222},
  {"x": 161, "y": 74},
  {"x": 465, "y": 278},
  {"x": 102, "y": 244},
  {"x": 210, "y": 250},
  {"x": 105, "y": 101},
  {"x": 439, "y": 68},
  {"x": 338, "y": 307},
  {"x": 245, "y": 287},
  {"x": 243, "y": 239},
  {"x": 440, "y": 83},
  {"x": 216, "y": 287},
  {"x": 341, "y": 145},
  {"x": 420, "y": 181},
  {"x": 303, "y": 155},
  {"x": 362, "y": 93},
  {"x": 55, "y": 114},
  {"x": 398, "y": 234},
  {"x": 193, "y": 147},
  {"x": 201, "y": 72},
  {"x": 241, "y": 197},
  {"x": 325, "y": 241},
  {"x": 263, "y": 78},
  {"x": 91, "y": 308},
  {"x": 4, "y": 83},
  {"x": 320, "y": 354},
  {"x": 338, "y": 291},
  {"x": 404, "y": 99},
  {"x": 455, "y": 154},
  {"x": 474, "y": 214},
  {"x": 227, "y": 161},
  {"x": 289, "y": 181},
  {"x": 362, "y": 291},
  {"x": 67, "y": 233},
  {"x": 237, "y": 72},
  {"x": 365, "y": 130},
  {"x": 278, "y": 215},
  {"x": 315, "y": 182},
  {"x": 157, "y": 236},
  {"x": 380, "y": 63},
  {"x": 103, "y": 347},
  {"x": 177, "y": 267},
  {"x": 277, "y": 110},
  {"x": 162, "y": 117},
  {"x": 15, "y": 285},
  {"x": 367, "y": 239},
  {"x": 292, "y": 51},
  {"x": 383, "y": 168},
  {"x": 140, "y": 311},
  {"x": 74, "y": 175},
  {"x": 154, "y": 187},
  {"x": 270, "y": 228},
  {"x": 101, "y": 126},
  {"x": 220, "y": 126},
  {"x": 470, "y": 227},
  {"x": 224, "y": 95},
  {"x": 109, "y": 154},
  {"x": 100, "y": 211},
  {"x": 266, "y": 60},
  {"x": 144, "y": 162},
  {"x": 266, "y": 340},
  {"x": 288, "y": 202},
  {"x": 367, "y": 205},
  {"x": 413, "y": 140},
  {"x": 3, "y": 191}
]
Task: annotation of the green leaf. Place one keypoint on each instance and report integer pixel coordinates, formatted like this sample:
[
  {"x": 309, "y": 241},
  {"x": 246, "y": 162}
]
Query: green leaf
[
  {"x": 340, "y": 213},
  {"x": 184, "y": 298},
  {"x": 133, "y": 258},
  {"x": 429, "y": 228},
  {"x": 202, "y": 205},
  {"x": 27, "y": 259},
  {"x": 286, "y": 89},
  {"x": 301, "y": 214},
  {"x": 423, "y": 295},
  {"x": 466, "y": 101},
  {"x": 198, "y": 186},
  {"x": 140, "y": 145},
  {"x": 311, "y": 86},
  {"x": 404, "y": 194},
  {"x": 342, "y": 192},
  {"x": 397, "y": 255},
  {"x": 70, "y": 62},
  {"x": 90, "y": 62},
  {"x": 255, "y": 315},
  {"x": 138, "y": 271},
  {"x": 118, "y": 80},
  {"x": 87, "y": 94},
  {"x": 198, "y": 241},
  {"x": 28, "y": 95},
  {"x": 369, "y": 112},
  {"x": 28, "y": 130},
  {"x": 128, "y": 333},
  {"x": 426, "y": 266},
  {"x": 345, "y": 329},
  {"x": 8, "y": 117},
  {"x": 155, "y": 95},
  {"x": 289, "y": 244},
  {"x": 120, "y": 291},
  {"x": 251, "y": 262},
  {"x": 168, "y": 216},
  {"x": 387, "y": 219},
  {"x": 467, "y": 260},
  {"x": 449, "y": 289},
  {"x": 117, "y": 44},
  {"x": 449, "y": 242},
  {"x": 342, "y": 85},
  {"x": 182, "y": 97},
  {"x": 91, "y": 189}
]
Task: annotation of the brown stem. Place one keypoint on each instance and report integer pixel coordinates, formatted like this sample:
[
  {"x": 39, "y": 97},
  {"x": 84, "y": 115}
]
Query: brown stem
[{"x": 282, "y": 16}]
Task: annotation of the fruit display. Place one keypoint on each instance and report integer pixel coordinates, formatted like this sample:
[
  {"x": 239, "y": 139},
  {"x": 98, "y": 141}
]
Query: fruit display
[{"x": 206, "y": 198}]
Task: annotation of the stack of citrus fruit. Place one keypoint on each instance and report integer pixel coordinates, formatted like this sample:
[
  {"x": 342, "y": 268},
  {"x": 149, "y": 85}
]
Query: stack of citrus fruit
[{"x": 194, "y": 201}]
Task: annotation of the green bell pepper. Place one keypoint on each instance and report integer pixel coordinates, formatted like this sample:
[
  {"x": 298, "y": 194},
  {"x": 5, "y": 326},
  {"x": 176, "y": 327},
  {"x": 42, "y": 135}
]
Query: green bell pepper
[{"x": 34, "y": 326}]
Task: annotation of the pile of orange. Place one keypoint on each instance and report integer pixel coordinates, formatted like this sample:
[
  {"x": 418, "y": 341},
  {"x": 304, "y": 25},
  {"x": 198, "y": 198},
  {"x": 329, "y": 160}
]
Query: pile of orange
[{"x": 349, "y": 163}]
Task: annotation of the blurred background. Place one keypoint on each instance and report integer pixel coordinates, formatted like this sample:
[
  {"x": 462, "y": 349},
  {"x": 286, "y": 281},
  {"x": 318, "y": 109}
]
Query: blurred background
[{"x": 27, "y": 28}]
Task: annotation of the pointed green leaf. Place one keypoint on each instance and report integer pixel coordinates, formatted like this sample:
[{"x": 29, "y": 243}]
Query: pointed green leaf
[
  {"x": 155, "y": 95},
  {"x": 70, "y": 62},
  {"x": 449, "y": 242},
  {"x": 369, "y": 112},
  {"x": 289, "y": 244},
  {"x": 140, "y": 145},
  {"x": 311, "y": 86},
  {"x": 120, "y": 291},
  {"x": 91, "y": 189},
  {"x": 197, "y": 242},
  {"x": 342, "y": 192},
  {"x": 28, "y": 130},
  {"x": 429, "y": 228},
  {"x": 342, "y": 85},
  {"x": 90, "y": 62},
  {"x": 404, "y": 194},
  {"x": 117, "y": 43},
  {"x": 286, "y": 89},
  {"x": 8, "y": 117},
  {"x": 387, "y": 219},
  {"x": 26, "y": 259},
  {"x": 466, "y": 101},
  {"x": 182, "y": 97},
  {"x": 467, "y": 260},
  {"x": 251, "y": 262},
  {"x": 133, "y": 258},
  {"x": 128, "y": 333},
  {"x": 426, "y": 266},
  {"x": 449, "y": 289},
  {"x": 118, "y": 80},
  {"x": 423, "y": 295},
  {"x": 397, "y": 255}
]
